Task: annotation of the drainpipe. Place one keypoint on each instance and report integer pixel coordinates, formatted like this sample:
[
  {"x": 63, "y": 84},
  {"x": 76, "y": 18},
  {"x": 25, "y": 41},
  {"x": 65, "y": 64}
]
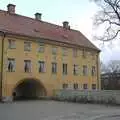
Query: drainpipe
[
  {"x": 98, "y": 72},
  {"x": 3, "y": 37}
]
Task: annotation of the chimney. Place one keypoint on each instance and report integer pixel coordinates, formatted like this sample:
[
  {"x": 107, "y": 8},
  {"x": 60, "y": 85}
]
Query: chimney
[
  {"x": 66, "y": 25},
  {"x": 11, "y": 8},
  {"x": 38, "y": 16}
]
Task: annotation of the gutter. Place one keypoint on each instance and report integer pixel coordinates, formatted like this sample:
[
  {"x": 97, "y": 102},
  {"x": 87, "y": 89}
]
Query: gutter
[
  {"x": 28, "y": 36},
  {"x": 2, "y": 51}
]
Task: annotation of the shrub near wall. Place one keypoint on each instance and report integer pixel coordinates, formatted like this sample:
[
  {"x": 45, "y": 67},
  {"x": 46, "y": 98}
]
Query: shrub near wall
[{"x": 81, "y": 96}]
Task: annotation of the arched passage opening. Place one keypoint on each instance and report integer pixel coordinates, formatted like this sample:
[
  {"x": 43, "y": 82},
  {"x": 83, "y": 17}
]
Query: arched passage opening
[{"x": 28, "y": 89}]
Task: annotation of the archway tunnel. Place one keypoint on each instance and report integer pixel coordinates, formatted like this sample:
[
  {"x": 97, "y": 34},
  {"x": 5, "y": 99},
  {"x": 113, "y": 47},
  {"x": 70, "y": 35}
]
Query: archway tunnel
[{"x": 29, "y": 89}]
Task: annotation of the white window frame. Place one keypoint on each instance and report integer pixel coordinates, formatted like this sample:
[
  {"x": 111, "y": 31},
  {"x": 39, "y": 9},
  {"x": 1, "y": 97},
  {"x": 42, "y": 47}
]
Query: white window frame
[
  {"x": 75, "y": 69},
  {"x": 42, "y": 67},
  {"x": 65, "y": 68},
  {"x": 64, "y": 51},
  {"x": 13, "y": 63},
  {"x": 29, "y": 65},
  {"x": 41, "y": 48},
  {"x": 54, "y": 50},
  {"x": 75, "y": 52},
  {"x": 27, "y": 46},
  {"x": 11, "y": 44},
  {"x": 85, "y": 70}
]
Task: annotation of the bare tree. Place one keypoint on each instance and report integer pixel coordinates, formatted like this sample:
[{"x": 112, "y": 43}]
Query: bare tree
[
  {"x": 114, "y": 66},
  {"x": 104, "y": 68},
  {"x": 109, "y": 17}
]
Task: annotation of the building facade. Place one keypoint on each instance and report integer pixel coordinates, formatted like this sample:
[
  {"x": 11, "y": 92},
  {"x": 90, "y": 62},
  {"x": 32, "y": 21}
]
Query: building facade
[{"x": 38, "y": 57}]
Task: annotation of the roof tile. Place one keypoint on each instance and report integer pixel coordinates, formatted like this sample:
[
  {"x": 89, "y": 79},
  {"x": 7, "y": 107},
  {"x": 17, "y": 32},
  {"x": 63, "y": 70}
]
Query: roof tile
[{"x": 31, "y": 27}]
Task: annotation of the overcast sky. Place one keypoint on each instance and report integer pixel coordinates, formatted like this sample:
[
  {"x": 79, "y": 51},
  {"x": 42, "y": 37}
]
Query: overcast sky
[{"x": 79, "y": 13}]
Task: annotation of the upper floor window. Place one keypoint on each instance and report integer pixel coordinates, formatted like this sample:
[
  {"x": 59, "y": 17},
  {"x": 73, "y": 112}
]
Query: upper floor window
[
  {"x": 11, "y": 65},
  {"x": 54, "y": 67},
  {"x": 85, "y": 70},
  {"x": 84, "y": 53},
  {"x": 41, "y": 66},
  {"x": 64, "y": 69},
  {"x": 93, "y": 55},
  {"x": 94, "y": 86},
  {"x": 27, "y": 65},
  {"x": 64, "y": 51},
  {"x": 54, "y": 50},
  {"x": 75, "y": 69},
  {"x": 75, "y": 52},
  {"x": 41, "y": 48},
  {"x": 85, "y": 86},
  {"x": 65, "y": 86},
  {"x": 11, "y": 44},
  {"x": 75, "y": 86},
  {"x": 93, "y": 71},
  {"x": 27, "y": 46}
]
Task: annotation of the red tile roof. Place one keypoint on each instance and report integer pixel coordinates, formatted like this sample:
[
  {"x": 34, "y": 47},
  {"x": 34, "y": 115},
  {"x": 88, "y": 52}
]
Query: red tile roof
[{"x": 23, "y": 25}]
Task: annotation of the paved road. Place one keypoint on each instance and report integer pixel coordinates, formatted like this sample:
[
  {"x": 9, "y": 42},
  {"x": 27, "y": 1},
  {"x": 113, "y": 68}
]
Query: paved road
[{"x": 51, "y": 110}]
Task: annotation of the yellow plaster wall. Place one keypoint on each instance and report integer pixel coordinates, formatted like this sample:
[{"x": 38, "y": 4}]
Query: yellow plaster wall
[{"x": 50, "y": 81}]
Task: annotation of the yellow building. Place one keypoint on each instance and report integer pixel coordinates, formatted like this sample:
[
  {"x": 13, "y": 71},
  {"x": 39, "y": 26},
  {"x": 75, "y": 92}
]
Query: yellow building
[{"x": 37, "y": 57}]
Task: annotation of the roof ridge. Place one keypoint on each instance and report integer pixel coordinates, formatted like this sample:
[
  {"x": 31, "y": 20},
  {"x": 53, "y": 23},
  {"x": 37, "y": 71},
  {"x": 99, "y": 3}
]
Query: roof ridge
[{"x": 19, "y": 15}]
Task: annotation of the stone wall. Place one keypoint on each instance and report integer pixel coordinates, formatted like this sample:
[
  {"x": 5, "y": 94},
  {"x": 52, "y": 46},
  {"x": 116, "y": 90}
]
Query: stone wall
[{"x": 106, "y": 96}]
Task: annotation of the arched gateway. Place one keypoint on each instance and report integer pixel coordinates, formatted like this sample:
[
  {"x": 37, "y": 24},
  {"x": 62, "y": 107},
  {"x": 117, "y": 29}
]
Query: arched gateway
[{"x": 29, "y": 88}]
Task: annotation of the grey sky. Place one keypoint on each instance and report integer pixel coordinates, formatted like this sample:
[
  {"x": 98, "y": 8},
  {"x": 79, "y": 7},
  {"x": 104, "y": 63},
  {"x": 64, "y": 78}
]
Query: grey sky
[{"x": 79, "y": 13}]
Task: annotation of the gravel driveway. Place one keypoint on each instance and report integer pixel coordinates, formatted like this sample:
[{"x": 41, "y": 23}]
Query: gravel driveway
[{"x": 51, "y": 110}]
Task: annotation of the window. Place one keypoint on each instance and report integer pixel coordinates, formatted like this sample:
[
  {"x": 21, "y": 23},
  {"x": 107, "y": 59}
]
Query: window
[
  {"x": 27, "y": 46},
  {"x": 93, "y": 55},
  {"x": 85, "y": 71},
  {"x": 75, "y": 86},
  {"x": 54, "y": 67},
  {"x": 75, "y": 69},
  {"x": 54, "y": 50},
  {"x": 11, "y": 65},
  {"x": 65, "y": 86},
  {"x": 84, "y": 53},
  {"x": 41, "y": 66},
  {"x": 64, "y": 69},
  {"x": 41, "y": 48},
  {"x": 75, "y": 53},
  {"x": 64, "y": 51},
  {"x": 27, "y": 65},
  {"x": 11, "y": 44},
  {"x": 94, "y": 86},
  {"x": 85, "y": 86},
  {"x": 93, "y": 72}
]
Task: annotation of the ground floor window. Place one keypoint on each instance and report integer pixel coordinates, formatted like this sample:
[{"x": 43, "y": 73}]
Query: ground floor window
[
  {"x": 85, "y": 86},
  {"x": 75, "y": 86},
  {"x": 94, "y": 86},
  {"x": 65, "y": 86}
]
